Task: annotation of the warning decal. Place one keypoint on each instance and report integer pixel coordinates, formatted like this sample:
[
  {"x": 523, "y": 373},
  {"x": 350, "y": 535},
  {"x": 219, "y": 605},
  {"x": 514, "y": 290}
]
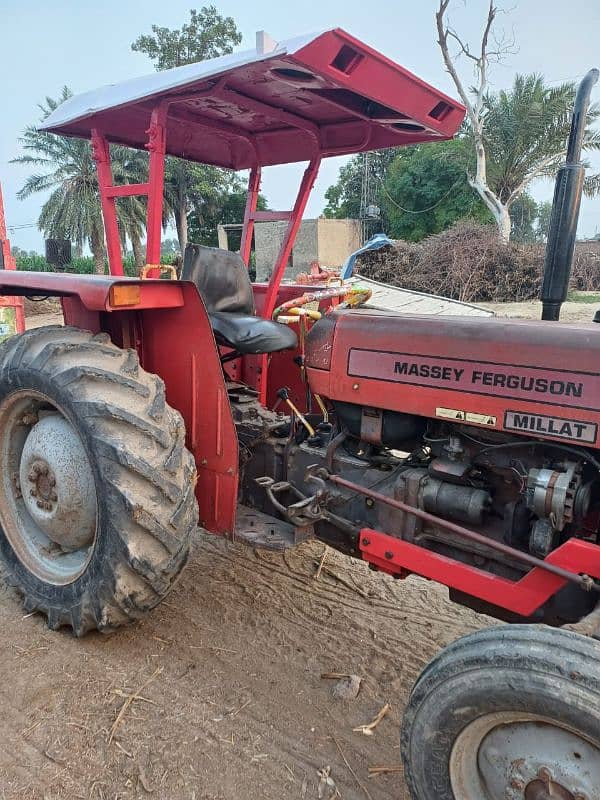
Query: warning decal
[{"x": 471, "y": 417}]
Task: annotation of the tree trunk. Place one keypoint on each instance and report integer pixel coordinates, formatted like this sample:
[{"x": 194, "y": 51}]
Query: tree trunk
[
  {"x": 504, "y": 225},
  {"x": 138, "y": 251},
  {"x": 497, "y": 208},
  {"x": 181, "y": 223},
  {"x": 97, "y": 248}
]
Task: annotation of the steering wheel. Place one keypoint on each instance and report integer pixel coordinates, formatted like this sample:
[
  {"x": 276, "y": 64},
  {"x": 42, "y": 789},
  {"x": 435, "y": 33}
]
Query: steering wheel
[{"x": 293, "y": 310}]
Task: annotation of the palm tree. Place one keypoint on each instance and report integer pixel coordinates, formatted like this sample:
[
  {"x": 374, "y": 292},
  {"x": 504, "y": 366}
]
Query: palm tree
[
  {"x": 526, "y": 131},
  {"x": 66, "y": 169}
]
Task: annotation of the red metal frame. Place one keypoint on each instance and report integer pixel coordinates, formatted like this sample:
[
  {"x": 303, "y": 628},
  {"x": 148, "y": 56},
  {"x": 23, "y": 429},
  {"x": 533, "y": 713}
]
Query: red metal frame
[
  {"x": 262, "y": 117},
  {"x": 524, "y": 597},
  {"x": 195, "y": 386},
  {"x": 153, "y": 189},
  {"x": 258, "y": 366}
]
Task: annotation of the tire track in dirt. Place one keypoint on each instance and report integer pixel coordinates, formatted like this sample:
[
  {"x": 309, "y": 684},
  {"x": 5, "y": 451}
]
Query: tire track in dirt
[{"x": 239, "y": 710}]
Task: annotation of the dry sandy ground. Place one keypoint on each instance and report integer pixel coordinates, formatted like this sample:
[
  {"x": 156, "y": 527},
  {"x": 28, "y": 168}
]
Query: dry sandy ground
[
  {"x": 236, "y": 708},
  {"x": 570, "y": 311},
  {"x": 232, "y": 705}
]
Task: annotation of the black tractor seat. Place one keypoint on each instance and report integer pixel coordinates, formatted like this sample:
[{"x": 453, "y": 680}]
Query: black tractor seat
[
  {"x": 223, "y": 282},
  {"x": 248, "y": 334}
]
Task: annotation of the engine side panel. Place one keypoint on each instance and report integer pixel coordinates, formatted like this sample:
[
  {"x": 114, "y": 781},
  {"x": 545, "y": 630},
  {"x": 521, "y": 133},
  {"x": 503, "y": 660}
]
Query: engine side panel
[{"x": 525, "y": 377}]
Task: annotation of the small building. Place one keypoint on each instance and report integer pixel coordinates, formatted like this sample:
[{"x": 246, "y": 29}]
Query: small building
[{"x": 328, "y": 241}]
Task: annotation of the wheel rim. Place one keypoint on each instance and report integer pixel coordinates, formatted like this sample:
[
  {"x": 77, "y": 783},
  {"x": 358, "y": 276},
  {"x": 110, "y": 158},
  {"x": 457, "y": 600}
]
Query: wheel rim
[
  {"x": 511, "y": 756},
  {"x": 48, "y": 504}
]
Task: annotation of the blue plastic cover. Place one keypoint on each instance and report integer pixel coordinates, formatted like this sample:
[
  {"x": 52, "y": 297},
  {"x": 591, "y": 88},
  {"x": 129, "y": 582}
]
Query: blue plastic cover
[{"x": 376, "y": 242}]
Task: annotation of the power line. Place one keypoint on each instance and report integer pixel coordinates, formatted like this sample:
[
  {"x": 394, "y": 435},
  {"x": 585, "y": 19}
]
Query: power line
[
  {"x": 20, "y": 227},
  {"x": 422, "y": 210}
]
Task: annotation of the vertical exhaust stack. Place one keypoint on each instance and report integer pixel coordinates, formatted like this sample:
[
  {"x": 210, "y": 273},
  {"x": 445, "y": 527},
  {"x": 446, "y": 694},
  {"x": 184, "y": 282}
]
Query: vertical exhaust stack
[{"x": 565, "y": 209}]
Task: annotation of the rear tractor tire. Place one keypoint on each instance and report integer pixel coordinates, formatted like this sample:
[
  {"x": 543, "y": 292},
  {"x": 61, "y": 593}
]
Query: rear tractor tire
[
  {"x": 510, "y": 713},
  {"x": 97, "y": 502}
]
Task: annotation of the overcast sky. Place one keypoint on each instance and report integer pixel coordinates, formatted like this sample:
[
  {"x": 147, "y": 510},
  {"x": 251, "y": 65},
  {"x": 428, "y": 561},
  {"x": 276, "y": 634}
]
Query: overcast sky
[{"x": 45, "y": 44}]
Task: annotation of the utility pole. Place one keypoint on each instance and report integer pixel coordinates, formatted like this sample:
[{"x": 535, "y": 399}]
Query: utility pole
[{"x": 370, "y": 214}]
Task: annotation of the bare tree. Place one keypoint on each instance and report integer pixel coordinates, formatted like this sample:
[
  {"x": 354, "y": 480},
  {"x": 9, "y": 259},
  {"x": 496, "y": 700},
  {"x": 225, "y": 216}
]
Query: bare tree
[{"x": 475, "y": 101}]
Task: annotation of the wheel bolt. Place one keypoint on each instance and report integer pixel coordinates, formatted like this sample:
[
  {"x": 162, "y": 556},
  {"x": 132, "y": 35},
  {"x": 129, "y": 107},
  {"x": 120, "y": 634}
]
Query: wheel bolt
[
  {"x": 48, "y": 506},
  {"x": 33, "y": 492},
  {"x": 41, "y": 504},
  {"x": 544, "y": 774}
]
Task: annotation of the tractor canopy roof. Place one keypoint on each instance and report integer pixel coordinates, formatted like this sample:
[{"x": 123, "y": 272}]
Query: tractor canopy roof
[{"x": 324, "y": 94}]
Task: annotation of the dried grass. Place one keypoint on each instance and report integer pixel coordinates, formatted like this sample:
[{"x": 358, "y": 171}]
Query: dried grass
[{"x": 468, "y": 262}]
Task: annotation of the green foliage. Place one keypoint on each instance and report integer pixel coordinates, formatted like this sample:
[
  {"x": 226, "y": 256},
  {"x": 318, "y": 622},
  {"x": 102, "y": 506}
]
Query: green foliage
[
  {"x": 227, "y": 208},
  {"x": 544, "y": 212},
  {"x": 208, "y": 34},
  {"x": 64, "y": 166},
  {"x": 530, "y": 220},
  {"x": 82, "y": 265},
  {"x": 343, "y": 198},
  {"x": 195, "y": 195},
  {"x": 426, "y": 190},
  {"x": 523, "y": 215},
  {"x": 421, "y": 189}
]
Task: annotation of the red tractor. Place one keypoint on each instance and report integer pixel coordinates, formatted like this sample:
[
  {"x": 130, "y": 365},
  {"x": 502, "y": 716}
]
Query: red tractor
[{"x": 464, "y": 450}]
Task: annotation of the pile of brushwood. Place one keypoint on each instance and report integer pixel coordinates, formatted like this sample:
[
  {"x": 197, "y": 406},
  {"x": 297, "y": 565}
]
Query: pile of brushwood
[{"x": 468, "y": 262}]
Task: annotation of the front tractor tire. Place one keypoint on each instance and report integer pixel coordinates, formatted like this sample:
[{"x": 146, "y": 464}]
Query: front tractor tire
[
  {"x": 97, "y": 502},
  {"x": 510, "y": 713}
]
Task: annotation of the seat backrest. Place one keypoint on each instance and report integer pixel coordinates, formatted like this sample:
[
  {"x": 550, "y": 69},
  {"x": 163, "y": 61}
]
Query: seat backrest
[{"x": 221, "y": 277}]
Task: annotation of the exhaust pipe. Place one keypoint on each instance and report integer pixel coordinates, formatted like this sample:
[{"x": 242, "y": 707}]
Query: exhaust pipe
[{"x": 565, "y": 209}]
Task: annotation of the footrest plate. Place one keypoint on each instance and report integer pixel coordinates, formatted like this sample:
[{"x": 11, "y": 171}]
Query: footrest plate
[{"x": 261, "y": 530}]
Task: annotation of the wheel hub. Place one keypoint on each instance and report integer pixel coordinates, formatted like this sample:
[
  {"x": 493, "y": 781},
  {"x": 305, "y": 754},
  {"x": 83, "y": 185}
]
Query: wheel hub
[
  {"x": 541, "y": 789},
  {"x": 44, "y": 485},
  {"x": 61, "y": 498},
  {"x": 503, "y": 757}
]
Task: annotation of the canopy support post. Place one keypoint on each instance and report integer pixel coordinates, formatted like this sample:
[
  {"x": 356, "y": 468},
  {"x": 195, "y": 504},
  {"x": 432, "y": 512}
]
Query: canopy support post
[
  {"x": 156, "y": 175},
  {"x": 251, "y": 203},
  {"x": 153, "y": 189},
  {"x": 295, "y": 218},
  {"x": 101, "y": 155},
  {"x": 306, "y": 185}
]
